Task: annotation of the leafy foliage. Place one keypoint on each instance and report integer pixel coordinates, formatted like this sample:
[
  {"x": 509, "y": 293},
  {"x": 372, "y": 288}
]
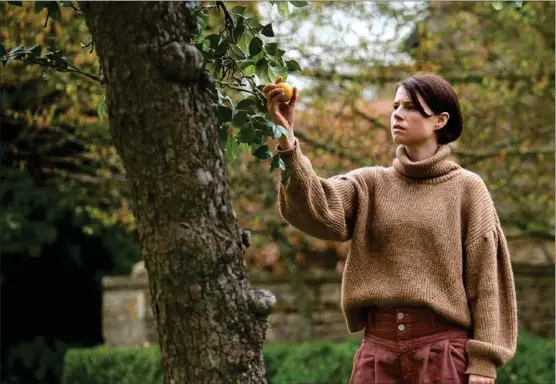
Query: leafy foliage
[
  {"x": 57, "y": 158},
  {"x": 242, "y": 58},
  {"x": 309, "y": 362}
]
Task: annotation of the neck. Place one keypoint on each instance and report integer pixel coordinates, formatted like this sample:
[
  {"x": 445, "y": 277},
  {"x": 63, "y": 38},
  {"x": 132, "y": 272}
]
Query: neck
[
  {"x": 436, "y": 167},
  {"x": 421, "y": 152}
]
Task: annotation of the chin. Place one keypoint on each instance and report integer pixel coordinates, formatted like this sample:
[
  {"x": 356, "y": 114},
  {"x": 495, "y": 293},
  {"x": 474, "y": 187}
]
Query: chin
[{"x": 398, "y": 140}]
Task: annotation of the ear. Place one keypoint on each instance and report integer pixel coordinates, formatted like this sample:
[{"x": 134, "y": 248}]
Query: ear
[{"x": 441, "y": 120}]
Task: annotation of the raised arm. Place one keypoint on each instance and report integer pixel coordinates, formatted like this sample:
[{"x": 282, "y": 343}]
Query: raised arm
[{"x": 323, "y": 208}]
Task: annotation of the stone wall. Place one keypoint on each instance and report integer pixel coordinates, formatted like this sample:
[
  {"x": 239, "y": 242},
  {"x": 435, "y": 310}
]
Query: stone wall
[{"x": 128, "y": 318}]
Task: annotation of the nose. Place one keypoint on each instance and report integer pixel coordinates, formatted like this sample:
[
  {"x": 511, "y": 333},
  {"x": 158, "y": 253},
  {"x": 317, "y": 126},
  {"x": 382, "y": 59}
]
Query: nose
[{"x": 396, "y": 115}]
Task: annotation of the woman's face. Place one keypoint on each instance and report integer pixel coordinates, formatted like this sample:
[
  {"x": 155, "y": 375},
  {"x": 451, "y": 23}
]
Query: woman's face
[{"x": 407, "y": 125}]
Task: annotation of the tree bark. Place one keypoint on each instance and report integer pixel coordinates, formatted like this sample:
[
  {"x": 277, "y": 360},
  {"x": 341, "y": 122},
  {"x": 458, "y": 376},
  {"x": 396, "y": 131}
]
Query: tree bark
[{"x": 210, "y": 322}]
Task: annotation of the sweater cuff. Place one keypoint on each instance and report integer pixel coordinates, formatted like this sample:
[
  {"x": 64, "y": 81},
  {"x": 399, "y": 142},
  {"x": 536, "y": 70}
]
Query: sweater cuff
[
  {"x": 287, "y": 154},
  {"x": 482, "y": 367}
]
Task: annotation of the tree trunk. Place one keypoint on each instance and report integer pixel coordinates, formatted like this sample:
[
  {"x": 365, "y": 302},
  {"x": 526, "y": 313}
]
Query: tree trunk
[{"x": 210, "y": 322}]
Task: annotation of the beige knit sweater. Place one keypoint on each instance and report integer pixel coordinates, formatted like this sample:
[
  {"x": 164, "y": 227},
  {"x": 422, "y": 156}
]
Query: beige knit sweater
[{"x": 423, "y": 233}]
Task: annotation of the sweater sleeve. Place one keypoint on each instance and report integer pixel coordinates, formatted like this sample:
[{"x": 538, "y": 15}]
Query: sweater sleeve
[
  {"x": 322, "y": 208},
  {"x": 489, "y": 284}
]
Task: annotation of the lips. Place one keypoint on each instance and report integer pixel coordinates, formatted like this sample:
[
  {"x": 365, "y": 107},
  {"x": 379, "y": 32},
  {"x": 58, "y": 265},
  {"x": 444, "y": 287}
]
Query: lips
[{"x": 398, "y": 126}]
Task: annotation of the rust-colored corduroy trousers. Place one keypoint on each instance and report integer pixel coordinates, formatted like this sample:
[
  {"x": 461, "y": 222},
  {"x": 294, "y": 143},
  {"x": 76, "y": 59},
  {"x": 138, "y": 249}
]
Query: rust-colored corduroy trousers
[{"x": 410, "y": 345}]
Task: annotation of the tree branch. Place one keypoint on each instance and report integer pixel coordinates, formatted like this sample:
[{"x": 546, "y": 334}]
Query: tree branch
[
  {"x": 228, "y": 85},
  {"x": 382, "y": 76},
  {"x": 229, "y": 21},
  {"x": 336, "y": 150},
  {"x": 370, "y": 119}
]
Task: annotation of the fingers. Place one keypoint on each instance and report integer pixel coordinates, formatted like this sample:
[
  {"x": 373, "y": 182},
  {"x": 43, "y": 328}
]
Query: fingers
[
  {"x": 269, "y": 87},
  {"x": 272, "y": 94},
  {"x": 273, "y": 105},
  {"x": 293, "y": 99}
]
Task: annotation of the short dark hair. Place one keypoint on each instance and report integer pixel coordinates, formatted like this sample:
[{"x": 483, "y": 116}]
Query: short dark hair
[{"x": 440, "y": 96}]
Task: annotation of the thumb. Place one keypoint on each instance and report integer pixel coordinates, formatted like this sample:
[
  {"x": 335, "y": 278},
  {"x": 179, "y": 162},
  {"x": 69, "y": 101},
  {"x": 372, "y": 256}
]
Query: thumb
[{"x": 293, "y": 100}]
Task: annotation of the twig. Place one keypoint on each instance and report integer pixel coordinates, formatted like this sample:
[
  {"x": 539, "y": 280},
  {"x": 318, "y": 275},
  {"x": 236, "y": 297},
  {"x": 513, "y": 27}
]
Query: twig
[
  {"x": 91, "y": 43},
  {"x": 228, "y": 85},
  {"x": 303, "y": 136},
  {"x": 93, "y": 77},
  {"x": 229, "y": 20}
]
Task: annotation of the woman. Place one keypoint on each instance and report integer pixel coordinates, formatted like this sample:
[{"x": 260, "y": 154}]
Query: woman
[{"x": 428, "y": 275}]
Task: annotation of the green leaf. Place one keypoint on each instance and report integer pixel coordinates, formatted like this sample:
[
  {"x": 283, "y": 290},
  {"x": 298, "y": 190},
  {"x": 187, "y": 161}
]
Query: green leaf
[
  {"x": 243, "y": 43},
  {"x": 244, "y": 148},
  {"x": 276, "y": 72},
  {"x": 284, "y": 9},
  {"x": 39, "y": 5},
  {"x": 247, "y": 134},
  {"x": 267, "y": 30},
  {"x": 262, "y": 152},
  {"x": 240, "y": 118},
  {"x": 299, "y": 4},
  {"x": 239, "y": 30},
  {"x": 286, "y": 177},
  {"x": 17, "y": 3},
  {"x": 237, "y": 53},
  {"x": 277, "y": 162},
  {"x": 202, "y": 21},
  {"x": 498, "y": 5},
  {"x": 250, "y": 70},
  {"x": 293, "y": 66},
  {"x": 273, "y": 50},
  {"x": 280, "y": 131},
  {"x": 231, "y": 150},
  {"x": 213, "y": 40},
  {"x": 238, "y": 10},
  {"x": 268, "y": 129},
  {"x": 100, "y": 109},
  {"x": 261, "y": 69},
  {"x": 255, "y": 25},
  {"x": 255, "y": 46},
  {"x": 224, "y": 114},
  {"x": 517, "y": 4},
  {"x": 35, "y": 51},
  {"x": 17, "y": 51},
  {"x": 246, "y": 104},
  {"x": 223, "y": 47}
]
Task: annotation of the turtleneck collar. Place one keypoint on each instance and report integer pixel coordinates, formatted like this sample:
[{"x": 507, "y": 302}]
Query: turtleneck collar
[{"x": 433, "y": 167}]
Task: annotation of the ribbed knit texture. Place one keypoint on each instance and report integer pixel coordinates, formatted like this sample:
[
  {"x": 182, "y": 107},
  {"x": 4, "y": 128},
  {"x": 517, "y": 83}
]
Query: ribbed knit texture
[{"x": 422, "y": 233}]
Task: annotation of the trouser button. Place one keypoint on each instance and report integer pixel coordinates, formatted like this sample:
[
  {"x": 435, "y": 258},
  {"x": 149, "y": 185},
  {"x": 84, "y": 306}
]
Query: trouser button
[{"x": 401, "y": 327}]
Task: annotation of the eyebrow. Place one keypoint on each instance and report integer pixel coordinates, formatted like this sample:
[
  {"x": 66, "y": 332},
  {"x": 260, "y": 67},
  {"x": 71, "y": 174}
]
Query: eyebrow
[{"x": 405, "y": 102}]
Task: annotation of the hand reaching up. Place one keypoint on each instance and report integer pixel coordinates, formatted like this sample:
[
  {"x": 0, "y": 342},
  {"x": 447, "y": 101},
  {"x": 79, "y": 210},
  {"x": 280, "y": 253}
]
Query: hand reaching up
[{"x": 282, "y": 113}]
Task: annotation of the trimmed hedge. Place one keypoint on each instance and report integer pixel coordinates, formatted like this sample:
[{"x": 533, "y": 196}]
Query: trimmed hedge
[{"x": 315, "y": 362}]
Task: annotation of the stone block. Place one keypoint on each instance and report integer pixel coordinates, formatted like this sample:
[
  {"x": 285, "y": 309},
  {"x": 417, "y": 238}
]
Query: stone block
[
  {"x": 329, "y": 295},
  {"x": 123, "y": 317}
]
